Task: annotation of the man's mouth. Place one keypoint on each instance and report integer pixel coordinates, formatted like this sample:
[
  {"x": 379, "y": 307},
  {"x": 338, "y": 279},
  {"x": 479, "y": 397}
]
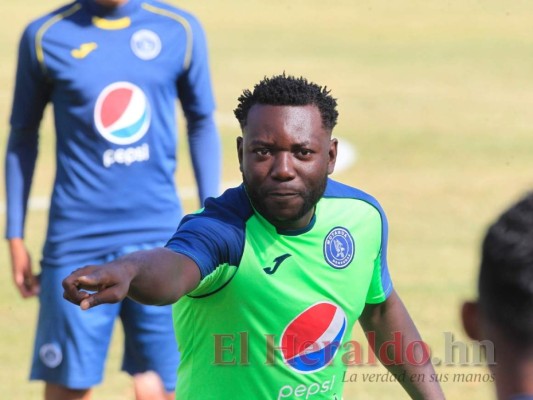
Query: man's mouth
[{"x": 282, "y": 194}]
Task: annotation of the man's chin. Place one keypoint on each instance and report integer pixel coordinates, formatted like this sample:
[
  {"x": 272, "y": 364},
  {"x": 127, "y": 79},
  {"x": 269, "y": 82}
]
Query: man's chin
[
  {"x": 286, "y": 219},
  {"x": 288, "y": 207}
]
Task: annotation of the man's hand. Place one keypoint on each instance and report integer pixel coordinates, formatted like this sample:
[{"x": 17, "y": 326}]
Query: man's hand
[
  {"x": 108, "y": 283},
  {"x": 158, "y": 276},
  {"x": 25, "y": 281}
]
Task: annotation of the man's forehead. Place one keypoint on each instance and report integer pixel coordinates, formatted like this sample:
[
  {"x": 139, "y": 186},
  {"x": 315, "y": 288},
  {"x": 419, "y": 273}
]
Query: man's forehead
[
  {"x": 292, "y": 118},
  {"x": 261, "y": 109}
]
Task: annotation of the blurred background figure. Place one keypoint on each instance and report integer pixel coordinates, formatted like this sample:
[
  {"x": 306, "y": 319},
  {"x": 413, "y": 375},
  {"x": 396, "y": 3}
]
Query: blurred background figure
[
  {"x": 503, "y": 314},
  {"x": 112, "y": 69}
]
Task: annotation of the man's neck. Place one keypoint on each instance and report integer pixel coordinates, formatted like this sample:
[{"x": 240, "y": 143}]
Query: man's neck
[
  {"x": 513, "y": 374},
  {"x": 111, "y": 3}
]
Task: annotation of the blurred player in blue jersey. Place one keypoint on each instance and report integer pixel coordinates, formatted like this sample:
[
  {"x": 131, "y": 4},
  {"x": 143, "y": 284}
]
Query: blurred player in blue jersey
[
  {"x": 503, "y": 314},
  {"x": 112, "y": 69}
]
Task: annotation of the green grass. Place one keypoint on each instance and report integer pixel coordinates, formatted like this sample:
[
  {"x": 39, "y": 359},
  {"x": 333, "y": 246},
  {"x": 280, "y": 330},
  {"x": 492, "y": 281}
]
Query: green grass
[{"x": 436, "y": 98}]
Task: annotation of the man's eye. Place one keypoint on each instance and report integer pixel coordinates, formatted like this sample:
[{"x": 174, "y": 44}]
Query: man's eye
[
  {"x": 304, "y": 152},
  {"x": 262, "y": 152}
]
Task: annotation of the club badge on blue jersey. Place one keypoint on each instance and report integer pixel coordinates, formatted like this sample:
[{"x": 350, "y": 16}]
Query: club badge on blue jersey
[
  {"x": 122, "y": 113},
  {"x": 145, "y": 44},
  {"x": 311, "y": 340},
  {"x": 339, "y": 247}
]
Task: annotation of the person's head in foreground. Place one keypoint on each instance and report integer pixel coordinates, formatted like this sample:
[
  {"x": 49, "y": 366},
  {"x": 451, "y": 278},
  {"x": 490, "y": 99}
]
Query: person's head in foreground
[
  {"x": 286, "y": 153},
  {"x": 503, "y": 313}
]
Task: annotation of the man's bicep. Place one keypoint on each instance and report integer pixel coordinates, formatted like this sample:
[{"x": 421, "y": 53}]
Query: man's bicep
[
  {"x": 386, "y": 317},
  {"x": 190, "y": 275},
  {"x": 375, "y": 313}
]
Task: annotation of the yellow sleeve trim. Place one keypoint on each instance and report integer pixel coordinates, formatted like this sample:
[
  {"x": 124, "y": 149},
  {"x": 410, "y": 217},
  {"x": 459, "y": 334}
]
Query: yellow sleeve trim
[
  {"x": 40, "y": 33},
  {"x": 180, "y": 20}
]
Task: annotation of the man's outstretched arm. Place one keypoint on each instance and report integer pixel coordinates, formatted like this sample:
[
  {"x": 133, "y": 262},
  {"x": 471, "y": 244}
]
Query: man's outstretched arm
[
  {"x": 386, "y": 319},
  {"x": 159, "y": 276}
]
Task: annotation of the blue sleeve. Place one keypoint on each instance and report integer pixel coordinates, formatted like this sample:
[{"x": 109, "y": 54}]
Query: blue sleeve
[
  {"x": 204, "y": 147},
  {"x": 197, "y": 101},
  {"x": 208, "y": 242},
  {"x": 32, "y": 92},
  {"x": 194, "y": 83},
  {"x": 381, "y": 285},
  {"x": 216, "y": 235}
]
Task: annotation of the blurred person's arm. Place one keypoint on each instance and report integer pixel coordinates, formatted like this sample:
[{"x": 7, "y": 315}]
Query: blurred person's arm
[
  {"x": 197, "y": 100},
  {"x": 204, "y": 147},
  {"x": 32, "y": 92},
  {"x": 384, "y": 322}
]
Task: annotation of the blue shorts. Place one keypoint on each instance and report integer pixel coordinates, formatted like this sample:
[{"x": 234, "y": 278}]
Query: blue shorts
[{"x": 71, "y": 345}]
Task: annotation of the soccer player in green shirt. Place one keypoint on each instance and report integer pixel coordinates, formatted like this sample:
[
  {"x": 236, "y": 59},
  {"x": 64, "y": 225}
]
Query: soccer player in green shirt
[{"x": 269, "y": 279}]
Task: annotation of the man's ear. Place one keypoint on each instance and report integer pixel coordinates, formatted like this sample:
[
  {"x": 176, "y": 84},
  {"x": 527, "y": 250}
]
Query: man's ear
[
  {"x": 240, "y": 151},
  {"x": 332, "y": 155},
  {"x": 470, "y": 315}
]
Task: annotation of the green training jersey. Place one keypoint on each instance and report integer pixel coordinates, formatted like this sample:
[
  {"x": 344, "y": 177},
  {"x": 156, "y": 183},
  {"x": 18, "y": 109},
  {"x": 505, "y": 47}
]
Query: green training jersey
[{"x": 272, "y": 316}]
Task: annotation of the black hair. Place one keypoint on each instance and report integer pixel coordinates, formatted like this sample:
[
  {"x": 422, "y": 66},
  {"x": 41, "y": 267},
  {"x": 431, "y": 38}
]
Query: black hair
[
  {"x": 283, "y": 90},
  {"x": 506, "y": 275}
]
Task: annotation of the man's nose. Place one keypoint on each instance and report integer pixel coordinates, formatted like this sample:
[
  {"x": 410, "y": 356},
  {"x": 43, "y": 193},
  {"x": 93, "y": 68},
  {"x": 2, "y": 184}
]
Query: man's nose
[{"x": 283, "y": 167}]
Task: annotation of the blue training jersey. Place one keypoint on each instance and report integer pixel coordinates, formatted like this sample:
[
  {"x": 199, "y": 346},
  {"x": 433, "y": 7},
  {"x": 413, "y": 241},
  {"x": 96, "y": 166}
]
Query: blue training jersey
[{"x": 113, "y": 77}]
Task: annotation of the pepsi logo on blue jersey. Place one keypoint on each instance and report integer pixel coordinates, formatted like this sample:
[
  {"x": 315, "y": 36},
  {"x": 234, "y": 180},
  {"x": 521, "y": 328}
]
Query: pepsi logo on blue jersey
[
  {"x": 339, "y": 248},
  {"x": 122, "y": 113},
  {"x": 311, "y": 340},
  {"x": 122, "y": 116}
]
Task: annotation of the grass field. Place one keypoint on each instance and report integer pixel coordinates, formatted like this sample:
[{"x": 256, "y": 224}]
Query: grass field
[{"x": 436, "y": 98}]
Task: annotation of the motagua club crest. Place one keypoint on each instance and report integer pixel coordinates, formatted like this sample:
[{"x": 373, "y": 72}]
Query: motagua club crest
[
  {"x": 145, "y": 44},
  {"x": 339, "y": 248}
]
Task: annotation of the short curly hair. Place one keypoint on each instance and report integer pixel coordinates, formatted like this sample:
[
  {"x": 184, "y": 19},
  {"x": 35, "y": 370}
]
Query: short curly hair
[
  {"x": 506, "y": 273},
  {"x": 283, "y": 90}
]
